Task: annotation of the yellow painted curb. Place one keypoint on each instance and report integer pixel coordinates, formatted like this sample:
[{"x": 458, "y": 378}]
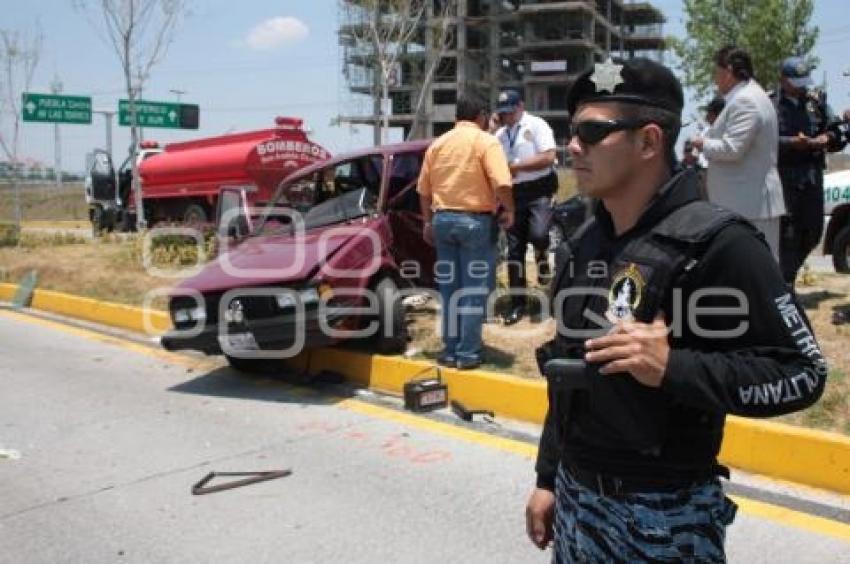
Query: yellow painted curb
[
  {"x": 7, "y": 291},
  {"x": 805, "y": 456},
  {"x": 115, "y": 315},
  {"x": 55, "y": 224}
]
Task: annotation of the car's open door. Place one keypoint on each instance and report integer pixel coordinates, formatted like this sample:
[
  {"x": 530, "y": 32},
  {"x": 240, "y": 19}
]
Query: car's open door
[
  {"x": 100, "y": 178},
  {"x": 233, "y": 215}
]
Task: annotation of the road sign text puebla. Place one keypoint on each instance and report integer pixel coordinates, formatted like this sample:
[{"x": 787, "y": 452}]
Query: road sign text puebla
[
  {"x": 159, "y": 114},
  {"x": 56, "y": 108}
]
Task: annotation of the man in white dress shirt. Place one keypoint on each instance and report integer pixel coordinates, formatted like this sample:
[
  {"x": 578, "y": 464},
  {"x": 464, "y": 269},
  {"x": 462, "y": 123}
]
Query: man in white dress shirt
[
  {"x": 741, "y": 147},
  {"x": 529, "y": 146}
]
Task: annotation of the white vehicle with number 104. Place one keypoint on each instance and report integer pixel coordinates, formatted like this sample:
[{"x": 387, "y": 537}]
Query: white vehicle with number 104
[{"x": 836, "y": 198}]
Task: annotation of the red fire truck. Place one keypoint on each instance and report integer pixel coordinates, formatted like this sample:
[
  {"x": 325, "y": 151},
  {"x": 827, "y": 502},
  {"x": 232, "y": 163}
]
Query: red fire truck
[{"x": 182, "y": 181}]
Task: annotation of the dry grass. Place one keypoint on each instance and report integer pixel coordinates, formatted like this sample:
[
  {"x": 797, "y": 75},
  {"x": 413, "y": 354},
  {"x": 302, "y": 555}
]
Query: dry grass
[
  {"x": 566, "y": 184},
  {"x": 108, "y": 269},
  {"x": 823, "y": 294},
  {"x": 42, "y": 202}
]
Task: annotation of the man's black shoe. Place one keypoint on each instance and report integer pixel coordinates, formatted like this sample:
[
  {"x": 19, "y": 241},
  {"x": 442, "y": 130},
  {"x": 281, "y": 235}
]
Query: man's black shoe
[
  {"x": 447, "y": 361},
  {"x": 513, "y": 316},
  {"x": 468, "y": 364}
]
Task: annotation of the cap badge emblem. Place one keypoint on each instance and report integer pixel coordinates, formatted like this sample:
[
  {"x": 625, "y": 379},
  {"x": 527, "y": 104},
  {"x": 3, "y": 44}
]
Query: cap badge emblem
[{"x": 607, "y": 76}]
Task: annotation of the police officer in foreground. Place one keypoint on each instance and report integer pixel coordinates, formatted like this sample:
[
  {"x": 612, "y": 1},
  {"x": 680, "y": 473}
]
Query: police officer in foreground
[
  {"x": 627, "y": 466},
  {"x": 807, "y": 131}
]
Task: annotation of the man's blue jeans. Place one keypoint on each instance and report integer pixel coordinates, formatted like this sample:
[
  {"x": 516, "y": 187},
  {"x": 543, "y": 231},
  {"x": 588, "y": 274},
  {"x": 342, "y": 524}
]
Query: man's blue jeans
[{"x": 466, "y": 247}]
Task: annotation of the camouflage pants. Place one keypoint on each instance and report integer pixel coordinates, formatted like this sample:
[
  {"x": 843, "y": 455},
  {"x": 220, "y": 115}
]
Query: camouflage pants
[{"x": 682, "y": 526}]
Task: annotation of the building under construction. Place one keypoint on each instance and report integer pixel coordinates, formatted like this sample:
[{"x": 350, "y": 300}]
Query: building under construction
[{"x": 534, "y": 46}]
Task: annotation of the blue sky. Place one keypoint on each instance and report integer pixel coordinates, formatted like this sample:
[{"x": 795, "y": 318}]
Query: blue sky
[{"x": 242, "y": 80}]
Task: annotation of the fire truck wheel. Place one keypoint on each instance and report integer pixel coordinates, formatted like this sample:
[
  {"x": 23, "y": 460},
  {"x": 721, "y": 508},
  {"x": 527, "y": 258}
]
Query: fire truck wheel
[
  {"x": 250, "y": 365},
  {"x": 96, "y": 221},
  {"x": 194, "y": 214},
  {"x": 841, "y": 250},
  {"x": 391, "y": 337}
]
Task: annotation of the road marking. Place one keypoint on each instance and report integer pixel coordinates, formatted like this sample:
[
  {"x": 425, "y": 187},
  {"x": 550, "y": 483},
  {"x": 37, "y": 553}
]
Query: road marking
[
  {"x": 791, "y": 518},
  {"x": 775, "y": 513}
]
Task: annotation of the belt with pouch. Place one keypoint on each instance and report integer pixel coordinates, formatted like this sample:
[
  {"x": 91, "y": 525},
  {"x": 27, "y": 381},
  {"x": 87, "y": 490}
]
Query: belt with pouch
[{"x": 613, "y": 486}]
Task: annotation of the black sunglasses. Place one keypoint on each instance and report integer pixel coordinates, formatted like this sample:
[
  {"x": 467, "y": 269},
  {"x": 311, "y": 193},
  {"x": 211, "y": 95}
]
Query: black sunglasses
[{"x": 591, "y": 132}]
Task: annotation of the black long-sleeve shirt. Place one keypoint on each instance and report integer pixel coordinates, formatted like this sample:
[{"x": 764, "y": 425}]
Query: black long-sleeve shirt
[{"x": 769, "y": 365}]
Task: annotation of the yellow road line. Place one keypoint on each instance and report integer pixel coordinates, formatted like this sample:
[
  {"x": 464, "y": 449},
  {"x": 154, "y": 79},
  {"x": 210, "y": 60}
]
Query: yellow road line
[
  {"x": 775, "y": 513},
  {"x": 792, "y": 518}
]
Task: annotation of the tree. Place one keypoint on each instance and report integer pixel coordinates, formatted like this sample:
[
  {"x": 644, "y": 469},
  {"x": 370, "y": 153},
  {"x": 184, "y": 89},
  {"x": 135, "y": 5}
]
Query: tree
[
  {"x": 19, "y": 55},
  {"x": 140, "y": 32},
  {"x": 438, "y": 38},
  {"x": 379, "y": 33},
  {"x": 769, "y": 30}
]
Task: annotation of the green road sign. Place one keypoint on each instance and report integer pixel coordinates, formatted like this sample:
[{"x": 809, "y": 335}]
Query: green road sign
[
  {"x": 56, "y": 108},
  {"x": 160, "y": 114}
]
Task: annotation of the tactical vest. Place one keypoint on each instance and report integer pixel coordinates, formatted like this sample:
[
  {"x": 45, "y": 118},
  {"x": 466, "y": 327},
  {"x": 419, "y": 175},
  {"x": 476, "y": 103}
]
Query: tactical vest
[{"x": 618, "y": 411}]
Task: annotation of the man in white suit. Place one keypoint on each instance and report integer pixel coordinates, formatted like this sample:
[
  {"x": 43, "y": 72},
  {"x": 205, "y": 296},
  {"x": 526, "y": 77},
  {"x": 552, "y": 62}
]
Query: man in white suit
[{"x": 741, "y": 147}]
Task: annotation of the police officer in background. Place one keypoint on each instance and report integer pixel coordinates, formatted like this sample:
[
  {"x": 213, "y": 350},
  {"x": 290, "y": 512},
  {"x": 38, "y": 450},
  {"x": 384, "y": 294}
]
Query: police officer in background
[
  {"x": 807, "y": 131},
  {"x": 529, "y": 145},
  {"x": 627, "y": 467}
]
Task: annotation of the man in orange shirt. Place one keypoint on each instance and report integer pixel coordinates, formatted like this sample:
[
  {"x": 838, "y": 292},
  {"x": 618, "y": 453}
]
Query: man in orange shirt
[{"x": 464, "y": 179}]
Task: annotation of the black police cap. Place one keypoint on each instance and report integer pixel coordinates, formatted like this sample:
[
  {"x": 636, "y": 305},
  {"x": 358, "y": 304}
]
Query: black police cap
[{"x": 636, "y": 81}]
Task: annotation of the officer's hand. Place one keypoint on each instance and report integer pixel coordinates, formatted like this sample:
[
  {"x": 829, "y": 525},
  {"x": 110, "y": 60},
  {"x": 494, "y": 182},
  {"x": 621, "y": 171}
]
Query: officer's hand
[
  {"x": 800, "y": 143},
  {"x": 428, "y": 233},
  {"x": 539, "y": 515},
  {"x": 819, "y": 143},
  {"x": 641, "y": 349}
]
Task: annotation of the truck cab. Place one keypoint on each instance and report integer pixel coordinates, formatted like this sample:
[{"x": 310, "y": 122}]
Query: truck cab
[{"x": 108, "y": 194}]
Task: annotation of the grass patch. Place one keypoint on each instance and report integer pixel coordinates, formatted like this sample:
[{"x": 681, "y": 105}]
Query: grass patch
[
  {"x": 43, "y": 202},
  {"x": 832, "y": 412},
  {"x": 9, "y": 234},
  {"x": 566, "y": 184}
]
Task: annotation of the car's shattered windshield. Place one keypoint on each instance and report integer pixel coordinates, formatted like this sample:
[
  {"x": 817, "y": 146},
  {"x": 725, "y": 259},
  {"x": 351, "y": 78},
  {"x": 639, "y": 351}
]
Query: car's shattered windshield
[{"x": 336, "y": 194}]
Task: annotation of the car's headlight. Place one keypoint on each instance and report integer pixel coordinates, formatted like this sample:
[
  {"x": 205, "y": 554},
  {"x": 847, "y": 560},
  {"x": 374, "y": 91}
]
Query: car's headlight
[
  {"x": 308, "y": 296},
  {"x": 285, "y": 300},
  {"x": 189, "y": 314}
]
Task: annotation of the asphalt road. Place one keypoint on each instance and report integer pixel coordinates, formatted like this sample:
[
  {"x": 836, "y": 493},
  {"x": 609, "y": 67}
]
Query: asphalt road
[{"x": 101, "y": 439}]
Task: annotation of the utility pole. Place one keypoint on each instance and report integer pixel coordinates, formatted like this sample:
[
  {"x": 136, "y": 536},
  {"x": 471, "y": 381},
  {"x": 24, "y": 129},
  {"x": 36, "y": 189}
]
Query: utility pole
[{"x": 56, "y": 88}]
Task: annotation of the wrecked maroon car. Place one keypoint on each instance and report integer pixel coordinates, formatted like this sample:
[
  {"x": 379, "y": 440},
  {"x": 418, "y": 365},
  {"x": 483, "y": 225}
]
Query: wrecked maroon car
[{"x": 329, "y": 260}]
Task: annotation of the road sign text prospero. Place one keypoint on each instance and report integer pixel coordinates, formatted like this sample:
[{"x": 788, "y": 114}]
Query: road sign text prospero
[{"x": 160, "y": 114}]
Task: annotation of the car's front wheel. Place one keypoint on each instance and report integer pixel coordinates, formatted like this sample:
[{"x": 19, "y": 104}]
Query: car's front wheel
[
  {"x": 841, "y": 250},
  {"x": 391, "y": 337}
]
